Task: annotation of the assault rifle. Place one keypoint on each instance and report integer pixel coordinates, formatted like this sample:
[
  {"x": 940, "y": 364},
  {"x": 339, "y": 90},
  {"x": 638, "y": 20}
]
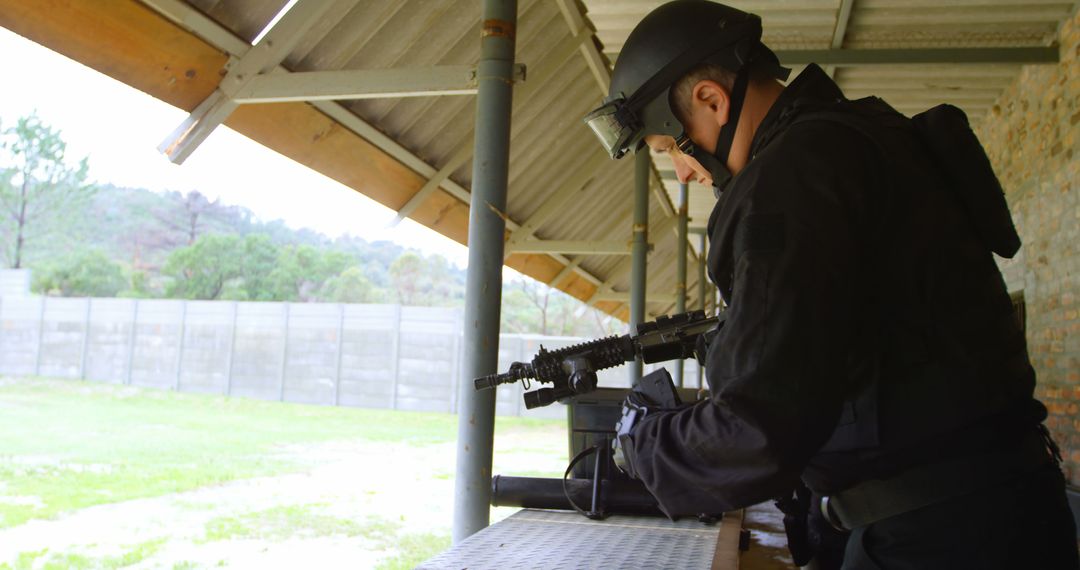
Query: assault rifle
[{"x": 572, "y": 370}]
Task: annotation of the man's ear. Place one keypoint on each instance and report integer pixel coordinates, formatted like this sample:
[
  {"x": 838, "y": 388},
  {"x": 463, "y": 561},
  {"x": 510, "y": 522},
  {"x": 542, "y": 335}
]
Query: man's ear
[{"x": 711, "y": 98}]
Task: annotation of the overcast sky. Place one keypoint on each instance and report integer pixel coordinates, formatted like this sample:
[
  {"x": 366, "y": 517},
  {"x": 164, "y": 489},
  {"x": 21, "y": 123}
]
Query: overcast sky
[{"x": 119, "y": 128}]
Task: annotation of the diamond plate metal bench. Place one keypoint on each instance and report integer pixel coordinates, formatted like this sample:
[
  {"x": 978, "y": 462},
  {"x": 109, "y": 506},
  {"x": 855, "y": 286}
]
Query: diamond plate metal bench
[{"x": 557, "y": 540}]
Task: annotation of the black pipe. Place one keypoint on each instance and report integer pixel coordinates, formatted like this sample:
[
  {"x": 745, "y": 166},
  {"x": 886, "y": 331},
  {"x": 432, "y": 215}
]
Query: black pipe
[{"x": 617, "y": 497}]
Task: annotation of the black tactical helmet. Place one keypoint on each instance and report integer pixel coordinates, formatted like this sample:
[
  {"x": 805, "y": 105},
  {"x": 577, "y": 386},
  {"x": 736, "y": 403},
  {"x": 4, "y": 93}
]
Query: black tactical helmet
[{"x": 664, "y": 46}]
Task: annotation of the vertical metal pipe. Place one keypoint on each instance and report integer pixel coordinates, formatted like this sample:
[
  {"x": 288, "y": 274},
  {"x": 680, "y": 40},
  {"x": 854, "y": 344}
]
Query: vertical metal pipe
[
  {"x": 680, "y": 285},
  {"x": 2, "y": 327},
  {"x": 483, "y": 286},
  {"x": 284, "y": 351},
  {"x": 232, "y": 348},
  {"x": 85, "y": 341},
  {"x": 131, "y": 341},
  {"x": 639, "y": 251},
  {"x": 40, "y": 337},
  {"x": 180, "y": 345},
  {"x": 701, "y": 294},
  {"x": 455, "y": 361},
  {"x": 339, "y": 354},
  {"x": 395, "y": 352}
]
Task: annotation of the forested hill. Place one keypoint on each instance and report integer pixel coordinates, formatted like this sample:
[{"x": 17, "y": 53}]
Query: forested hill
[{"x": 134, "y": 242}]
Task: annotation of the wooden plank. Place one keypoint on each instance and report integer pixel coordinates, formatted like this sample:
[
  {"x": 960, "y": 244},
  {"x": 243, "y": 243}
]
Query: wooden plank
[
  {"x": 124, "y": 40},
  {"x": 727, "y": 544}
]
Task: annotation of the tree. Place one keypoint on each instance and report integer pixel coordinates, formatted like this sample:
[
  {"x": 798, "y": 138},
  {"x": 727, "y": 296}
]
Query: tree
[
  {"x": 530, "y": 307},
  {"x": 38, "y": 188},
  {"x": 351, "y": 286},
  {"x": 140, "y": 286},
  {"x": 426, "y": 281},
  {"x": 518, "y": 314},
  {"x": 256, "y": 268},
  {"x": 407, "y": 278},
  {"x": 442, "y": 288},
  {"x": 540, "y": 296},
  {"x": 301, "y": 271},
  {"x": 183, "y": 218},
  {"x": 87, "y": 273},
  {"x": 204, "y": 270}
]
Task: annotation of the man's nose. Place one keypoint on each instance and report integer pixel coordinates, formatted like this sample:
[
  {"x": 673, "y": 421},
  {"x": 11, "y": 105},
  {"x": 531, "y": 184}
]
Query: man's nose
[{"x": 682, "y": 170}]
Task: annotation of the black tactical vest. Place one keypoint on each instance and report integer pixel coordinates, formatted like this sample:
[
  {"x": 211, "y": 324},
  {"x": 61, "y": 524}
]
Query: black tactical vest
[{"x": 945, "y": 368}]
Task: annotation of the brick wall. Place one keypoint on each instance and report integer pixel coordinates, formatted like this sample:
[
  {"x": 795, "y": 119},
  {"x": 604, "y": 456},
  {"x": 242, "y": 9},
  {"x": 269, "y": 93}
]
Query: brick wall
[{"x": 1031, "y": 136}]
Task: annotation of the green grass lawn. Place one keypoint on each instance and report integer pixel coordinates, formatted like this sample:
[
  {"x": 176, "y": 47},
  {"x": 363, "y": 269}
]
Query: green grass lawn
[
  {"x": 68, "y": 445},
  {"x": 279, "y": 523},
  {"x": 45, "y": 560}
]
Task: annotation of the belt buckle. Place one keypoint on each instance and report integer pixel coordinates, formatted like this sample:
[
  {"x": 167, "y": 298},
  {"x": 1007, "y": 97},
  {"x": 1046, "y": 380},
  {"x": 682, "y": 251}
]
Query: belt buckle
[{"x": 830, "y": 516}]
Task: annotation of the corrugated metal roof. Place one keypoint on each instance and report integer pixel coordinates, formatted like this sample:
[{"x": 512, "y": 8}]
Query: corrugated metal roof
[
  {"x": 553, "y": 155},
  {"x": 549, "y": 143},
  {"x": 876, "y": 24}
]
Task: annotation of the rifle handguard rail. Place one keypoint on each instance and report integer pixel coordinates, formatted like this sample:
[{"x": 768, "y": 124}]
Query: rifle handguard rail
[{"x": 572, "y": 370}]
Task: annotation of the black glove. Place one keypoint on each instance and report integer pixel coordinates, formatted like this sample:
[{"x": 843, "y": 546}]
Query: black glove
[
  {"x": 701, "y": 346},
  {"x": 634, "y": 409}
]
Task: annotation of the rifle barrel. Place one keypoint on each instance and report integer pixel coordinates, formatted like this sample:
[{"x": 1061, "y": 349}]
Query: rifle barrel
[
  {"x": 490, "y": 381},
  {"x": 518, "y": 371}
]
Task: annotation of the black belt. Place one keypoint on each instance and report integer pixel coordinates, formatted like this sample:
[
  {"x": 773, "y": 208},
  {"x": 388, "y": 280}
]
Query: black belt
[{"x": 878, "y": 499}]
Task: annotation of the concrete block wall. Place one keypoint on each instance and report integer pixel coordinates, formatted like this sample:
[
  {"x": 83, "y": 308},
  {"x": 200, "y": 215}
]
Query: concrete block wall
[
  {"x": 258, "y": 346},
  {"x": 14, "y": 282},
  {"x": 381, "y": 356},
  {"x": 111, "y": 336},
  {"x": 1030, "y": 136},
  {"x": 20, "y": 327}
]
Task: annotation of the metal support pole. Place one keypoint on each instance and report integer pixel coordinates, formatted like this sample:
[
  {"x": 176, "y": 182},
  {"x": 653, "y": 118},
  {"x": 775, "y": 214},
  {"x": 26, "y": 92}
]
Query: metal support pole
[
  {"x": 339, "y": 354},
  {"x": 701, "y": 295},
  {"x": 131, "y": 341},
  {"x": 396, "y": 352},
  {"x": 1, "y": 332},
  {"x": 85, "y": 341},
  {"x": 455, "y": 362},
  {"x": 680, "y": 277},
  {"x": 180, "y": 345},
  {"x": 639, "y": 251},
  {"x": 40, "y": 337},
  {"x": 232, "y": 349},
  {"x": 483, "y": 289},
  {"x": 284, "y": 351}
]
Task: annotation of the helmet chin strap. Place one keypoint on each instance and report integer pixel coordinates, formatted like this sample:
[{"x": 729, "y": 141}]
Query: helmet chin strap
[
  {"x": 717, "y": 162},
  {"x": 727, "y": 132}
]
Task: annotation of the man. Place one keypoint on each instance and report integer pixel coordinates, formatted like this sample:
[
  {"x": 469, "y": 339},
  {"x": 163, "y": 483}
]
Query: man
[{"x": 870, "y": 348}]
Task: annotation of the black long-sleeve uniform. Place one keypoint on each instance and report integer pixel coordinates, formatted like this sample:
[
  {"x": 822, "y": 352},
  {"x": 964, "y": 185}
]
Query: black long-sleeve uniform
[{"x": 866, "y": 318}]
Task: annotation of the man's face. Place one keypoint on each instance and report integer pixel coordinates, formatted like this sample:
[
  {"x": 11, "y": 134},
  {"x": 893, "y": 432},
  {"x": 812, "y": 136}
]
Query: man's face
[
  {"x": 686, "y": 167},
  {"x": 706, "y": 111}
]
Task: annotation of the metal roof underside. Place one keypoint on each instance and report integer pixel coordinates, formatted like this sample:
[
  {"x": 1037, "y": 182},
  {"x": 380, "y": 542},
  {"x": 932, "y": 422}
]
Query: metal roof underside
[{"x": 562, "y": 188}]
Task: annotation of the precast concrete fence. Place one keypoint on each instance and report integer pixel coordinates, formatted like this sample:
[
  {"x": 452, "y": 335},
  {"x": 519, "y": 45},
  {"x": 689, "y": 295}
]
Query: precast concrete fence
[{"x": 374, "y": 356}]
